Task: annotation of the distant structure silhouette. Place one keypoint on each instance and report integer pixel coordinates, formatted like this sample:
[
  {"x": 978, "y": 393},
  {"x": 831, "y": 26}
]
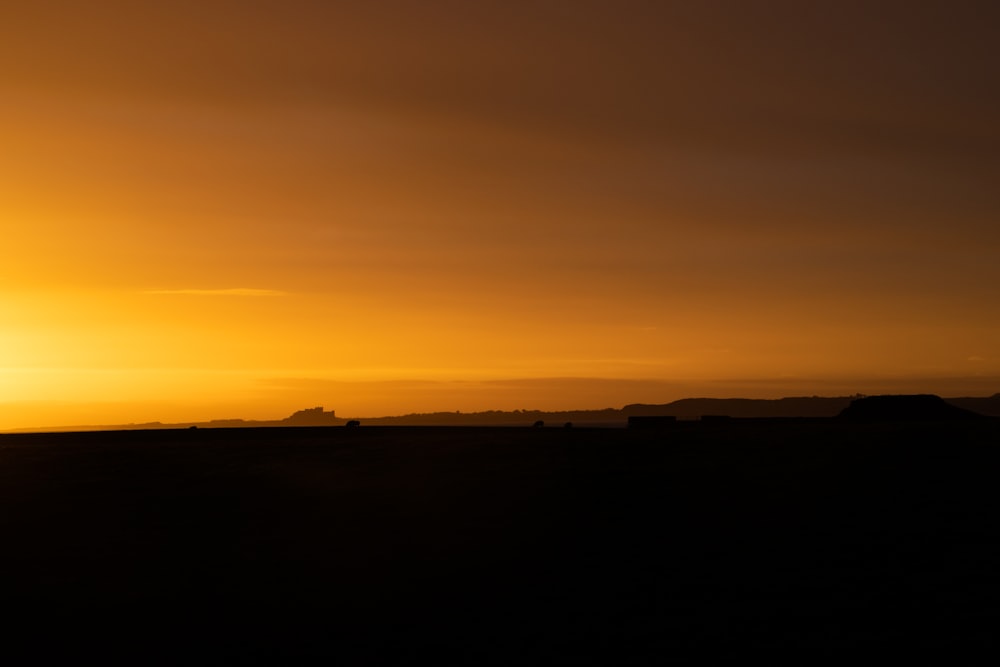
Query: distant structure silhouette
[{"x": 354, "y": 423}]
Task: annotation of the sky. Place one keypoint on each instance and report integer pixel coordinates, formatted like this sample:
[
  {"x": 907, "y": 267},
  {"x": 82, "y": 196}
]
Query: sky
[{"x": 224, "y": 209}]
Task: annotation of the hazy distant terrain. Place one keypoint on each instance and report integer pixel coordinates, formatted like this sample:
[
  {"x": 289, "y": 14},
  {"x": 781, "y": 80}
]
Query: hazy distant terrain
[
  {"x": 688, "y": 408},
  {"x": 395, "y": 545}
]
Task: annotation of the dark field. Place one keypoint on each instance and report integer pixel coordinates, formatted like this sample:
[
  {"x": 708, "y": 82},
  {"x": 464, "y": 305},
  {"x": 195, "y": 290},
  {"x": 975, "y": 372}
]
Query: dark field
[{"x": 394, "y": 545}]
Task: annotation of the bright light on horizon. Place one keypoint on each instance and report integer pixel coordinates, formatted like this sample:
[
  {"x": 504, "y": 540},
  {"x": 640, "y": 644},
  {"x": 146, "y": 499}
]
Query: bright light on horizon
[
  {"x": 358, "y": 205},
  {"x": 50, "y": 398}
]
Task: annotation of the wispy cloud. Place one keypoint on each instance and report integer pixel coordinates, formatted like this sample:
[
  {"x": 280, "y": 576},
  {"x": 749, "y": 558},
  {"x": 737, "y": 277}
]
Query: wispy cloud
[{"x": 235, "y": 291}]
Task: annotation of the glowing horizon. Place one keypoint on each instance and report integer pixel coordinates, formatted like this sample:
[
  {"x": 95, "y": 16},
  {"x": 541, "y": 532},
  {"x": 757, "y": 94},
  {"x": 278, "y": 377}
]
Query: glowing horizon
[{"x": 605, "y": 205}]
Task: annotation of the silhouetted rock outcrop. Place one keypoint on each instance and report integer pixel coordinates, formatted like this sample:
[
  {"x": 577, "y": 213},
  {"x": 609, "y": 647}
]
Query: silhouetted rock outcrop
[
  {"x": 917, "y": 407},
  {"x": 312, "y": 417},
  {"x": 684, "y": 409}
]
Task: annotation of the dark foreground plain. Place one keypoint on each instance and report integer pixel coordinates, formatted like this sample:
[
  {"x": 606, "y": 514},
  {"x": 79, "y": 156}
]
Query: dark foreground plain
[{"x": 394, "y": 545}]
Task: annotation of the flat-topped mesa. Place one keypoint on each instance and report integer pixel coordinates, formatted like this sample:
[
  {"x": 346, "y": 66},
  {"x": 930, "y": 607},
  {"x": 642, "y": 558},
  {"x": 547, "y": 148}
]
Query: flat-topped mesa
[{"x": 916, "y": 407}]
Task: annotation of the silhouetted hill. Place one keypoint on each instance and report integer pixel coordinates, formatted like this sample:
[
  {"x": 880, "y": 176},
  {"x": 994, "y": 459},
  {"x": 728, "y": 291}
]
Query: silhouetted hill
[
  {"x": 988, "y": 406},
  {"x": 918, "y": 407},
  {"x": 607, "y": 416},
  {"x": 687, "y": 408},
  {"x": 692, "y": 408},
  {"x": 313, "y": 417}
]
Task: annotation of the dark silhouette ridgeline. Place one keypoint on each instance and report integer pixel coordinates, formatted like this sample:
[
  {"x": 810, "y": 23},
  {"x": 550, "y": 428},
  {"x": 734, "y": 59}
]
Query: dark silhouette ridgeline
[
  {"x": 909, "y": 408},
  {"x": 885, "y": 408}
]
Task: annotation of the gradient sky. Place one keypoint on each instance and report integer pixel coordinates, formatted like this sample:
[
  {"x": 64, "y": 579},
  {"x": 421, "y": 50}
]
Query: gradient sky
[{"x": 243, "y": 208}]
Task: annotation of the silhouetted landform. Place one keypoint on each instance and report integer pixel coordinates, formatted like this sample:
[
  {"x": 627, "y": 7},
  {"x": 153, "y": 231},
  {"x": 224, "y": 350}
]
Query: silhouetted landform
[
  {"x": 307, "y": 417},
  {"x": 802, "y": 407},
  {"x": 695, "y": 408},
  {"x": 605, "y": 417},
  {"x": 988, "y": 406},
  {"x": 905, "y": 408},
  {"x": 312, "y": 417},
  {"x": 688, "y": 408}
]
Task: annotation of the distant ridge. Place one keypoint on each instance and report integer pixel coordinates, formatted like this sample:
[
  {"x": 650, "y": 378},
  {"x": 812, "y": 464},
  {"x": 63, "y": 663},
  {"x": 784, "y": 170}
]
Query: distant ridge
[
  {"x": 693, "y": 408},
  {"x": 686, "y": 408},
  {"x": 988, "y": 406},
  {"x": 313, "y": 417},
  {"x": 919, "y": 407},
  {"x": 308, "y": 417}
]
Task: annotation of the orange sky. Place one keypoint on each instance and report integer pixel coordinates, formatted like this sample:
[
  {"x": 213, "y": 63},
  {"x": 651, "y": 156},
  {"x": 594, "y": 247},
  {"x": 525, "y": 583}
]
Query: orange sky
[{"x": 240, "y": 209}]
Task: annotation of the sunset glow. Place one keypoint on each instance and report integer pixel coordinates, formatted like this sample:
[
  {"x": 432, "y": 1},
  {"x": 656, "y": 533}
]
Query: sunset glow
[{"x": 223, "y": 209}]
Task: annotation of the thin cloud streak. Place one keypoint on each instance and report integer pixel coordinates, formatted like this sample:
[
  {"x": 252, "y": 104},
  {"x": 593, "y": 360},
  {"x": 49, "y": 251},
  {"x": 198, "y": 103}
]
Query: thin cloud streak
[{"x": 237, "y": 291}]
